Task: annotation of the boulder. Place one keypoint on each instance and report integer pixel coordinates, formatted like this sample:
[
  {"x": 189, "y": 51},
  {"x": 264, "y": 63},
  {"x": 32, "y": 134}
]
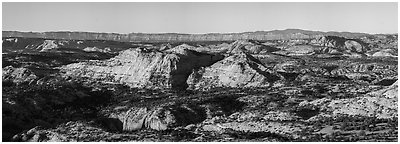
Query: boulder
[
  {"x": 160, "y": 119},
  {"x": 134, "y": 119}
]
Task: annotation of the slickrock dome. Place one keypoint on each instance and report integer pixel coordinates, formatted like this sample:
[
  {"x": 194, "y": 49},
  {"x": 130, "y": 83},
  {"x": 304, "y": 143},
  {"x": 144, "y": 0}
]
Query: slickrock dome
[
  {"x": 144, "y": 68},
  {"x": 239, "y": 70}
]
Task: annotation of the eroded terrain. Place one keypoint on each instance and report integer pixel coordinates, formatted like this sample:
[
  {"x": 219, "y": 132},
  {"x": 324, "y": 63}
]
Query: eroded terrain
[{"x": 316, "y": 87}]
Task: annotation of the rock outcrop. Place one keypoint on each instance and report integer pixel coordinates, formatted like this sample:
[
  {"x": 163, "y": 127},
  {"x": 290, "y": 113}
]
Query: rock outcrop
[
  {"x": 38, "y": 134},
  {"x": 341, "y": 44},
  {"x": 354, "y": 46},
  {"x": 48, "y": 45},
  {"x": 361, "y": 71},
  {"x": 18, "y": 75},
  {"x": 385, "y": 53},
  {"x": 95, "y": 49},
  {"x": 301, "y": 50},
  {"x": 249, "y": 46},
  {"x": 239, "y": 70},
  {"x": 290, "y": 70},
  {"x": 160, "y": 117},
  {"x": 380, "y": 104},
  {"x": 144, "y": 68}
]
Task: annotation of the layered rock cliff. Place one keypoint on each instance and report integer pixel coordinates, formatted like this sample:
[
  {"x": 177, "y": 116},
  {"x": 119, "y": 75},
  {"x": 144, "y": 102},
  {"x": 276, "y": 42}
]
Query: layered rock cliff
[
  {"x": 26, "y": 44},
  {"x": 259, "y": 35}
]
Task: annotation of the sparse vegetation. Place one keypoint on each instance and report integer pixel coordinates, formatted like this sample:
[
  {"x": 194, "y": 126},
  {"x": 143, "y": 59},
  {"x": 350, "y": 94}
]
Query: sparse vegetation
[{"x": 304, "y": 97}]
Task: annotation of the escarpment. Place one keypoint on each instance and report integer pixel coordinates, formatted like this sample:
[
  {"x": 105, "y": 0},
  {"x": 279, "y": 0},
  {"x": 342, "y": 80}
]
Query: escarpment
[{"x": 168, "y": 37}]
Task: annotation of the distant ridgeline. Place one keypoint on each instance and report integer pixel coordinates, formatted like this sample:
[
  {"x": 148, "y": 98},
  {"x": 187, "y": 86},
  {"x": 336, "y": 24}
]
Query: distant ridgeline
[{"x": 138, "y": 37}]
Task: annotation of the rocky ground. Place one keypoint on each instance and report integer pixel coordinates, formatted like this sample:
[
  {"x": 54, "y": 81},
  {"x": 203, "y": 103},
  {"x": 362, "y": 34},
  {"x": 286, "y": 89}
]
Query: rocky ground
[{"x": 325, "y": 88}]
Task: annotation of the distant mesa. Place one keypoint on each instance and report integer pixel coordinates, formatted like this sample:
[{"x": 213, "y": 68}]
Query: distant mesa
[{"x": 169, "y": 37}]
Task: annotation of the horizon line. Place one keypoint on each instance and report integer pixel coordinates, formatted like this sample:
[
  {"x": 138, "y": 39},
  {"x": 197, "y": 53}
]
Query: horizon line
[{"x": 200, "y": 33}]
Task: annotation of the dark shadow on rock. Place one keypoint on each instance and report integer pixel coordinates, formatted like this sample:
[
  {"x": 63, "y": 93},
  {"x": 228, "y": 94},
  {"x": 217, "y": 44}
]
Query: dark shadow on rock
[
  {"x": 306, "y": 113},
  {"x": 227, "y": 104},
  {"x": 48, "y": 106},
  {"x": 110, "y": 124},
  {"x": 180, "y": 81},
  {"x": 386, "y": 82},
  {"x": 289, "y": 76},
  {"x": 338, "y": 78},
  {"x": 367, "y": 79},
  {"x": 321, "y": 89},
  {"x": 271, "y": 77},
  {"x": 188, "y": 114},
  {"x": 307, "y": 92},
  {"x": 329, "y": 68}
]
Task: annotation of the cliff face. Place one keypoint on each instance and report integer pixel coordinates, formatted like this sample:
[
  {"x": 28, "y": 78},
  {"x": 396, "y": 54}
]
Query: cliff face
[
  {"x": 20, "y": 44},
  {"x": 261, "y": 35}
]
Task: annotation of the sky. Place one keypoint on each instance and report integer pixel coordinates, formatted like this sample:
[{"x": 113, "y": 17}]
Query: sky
[{"x": 198, "y": 18}]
